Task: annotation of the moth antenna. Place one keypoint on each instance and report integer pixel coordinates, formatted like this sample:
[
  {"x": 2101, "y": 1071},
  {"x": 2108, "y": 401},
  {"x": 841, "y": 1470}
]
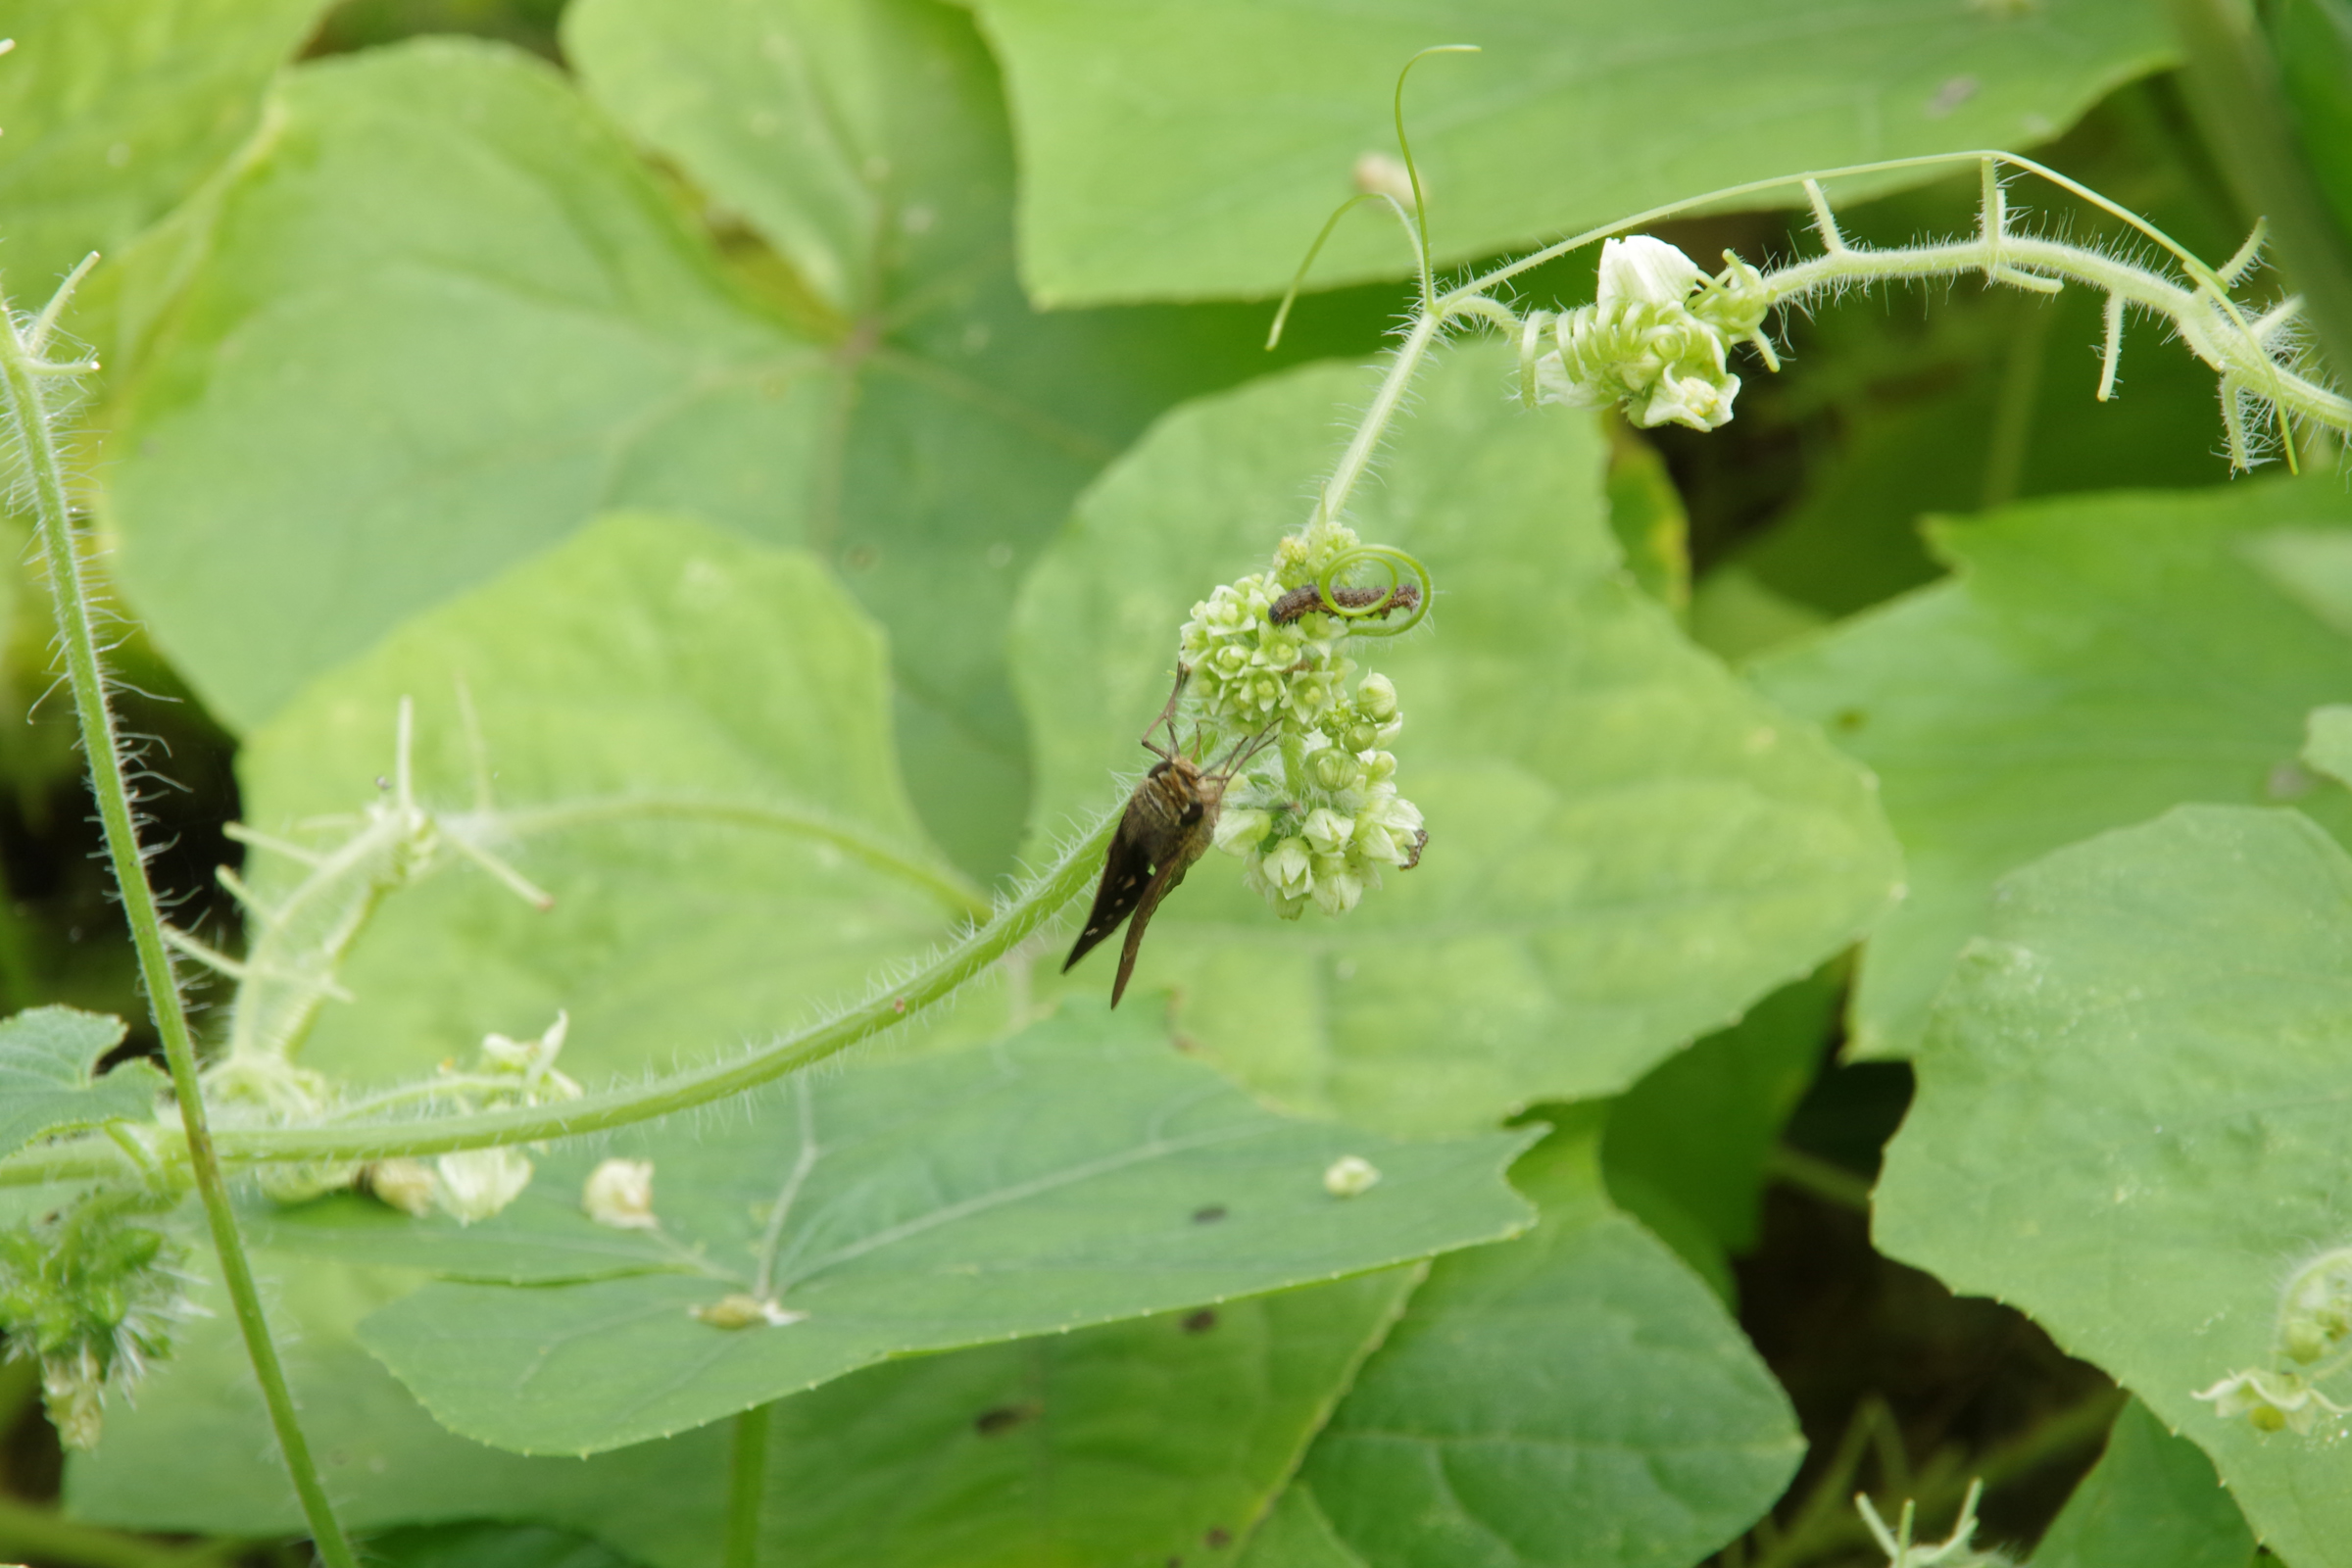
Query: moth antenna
[{"x": 1168, "y": 716}]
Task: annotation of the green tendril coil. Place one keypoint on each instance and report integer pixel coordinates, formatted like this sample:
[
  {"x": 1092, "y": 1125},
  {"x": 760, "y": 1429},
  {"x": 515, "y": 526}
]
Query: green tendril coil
[{"x": 1397, "y": 562}]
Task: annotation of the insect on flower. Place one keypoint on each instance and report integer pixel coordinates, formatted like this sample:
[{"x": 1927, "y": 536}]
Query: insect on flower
[
  {"x": 1299, "y": 600},
  {"x": 1170, "y": 821}
]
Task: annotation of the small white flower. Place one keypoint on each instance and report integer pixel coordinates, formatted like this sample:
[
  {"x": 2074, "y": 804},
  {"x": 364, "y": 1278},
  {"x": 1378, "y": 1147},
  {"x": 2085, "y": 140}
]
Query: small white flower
[
  {"x": 480, "y": 1182},
  {"x": 1290, "y": 869},
  {"x": 1337, "y": 888},
  {"x": 2270, "y": 1400},
  {"x": 1690, "y": 400},
  {"x": 1327, "y": 832},
  {"x": 1350, "y": 1176},
  {"x": 620, "y": 1193},
  {"x": 1640, "y": 269},
  {"x": 1379, "y": 174},
  {"x": 404, "y": 1184},
  {"x": 533, "y": 1061}
]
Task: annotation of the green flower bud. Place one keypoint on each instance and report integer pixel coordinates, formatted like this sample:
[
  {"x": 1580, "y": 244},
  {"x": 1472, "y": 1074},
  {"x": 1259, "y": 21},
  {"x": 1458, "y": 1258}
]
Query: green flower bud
[
  {"x": 1376, "y": 698},
  {"x": 1336, "y": 770},
  {"x": 2271, "y": 1401},
  {"x": 1243, "y": 828},
  {"x": 2315, "y": 1309},
  {"x": 741, "y": 1311}
]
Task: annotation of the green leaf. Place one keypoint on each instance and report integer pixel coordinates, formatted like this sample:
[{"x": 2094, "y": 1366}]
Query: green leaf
[
  {"x": 1184, "y": 150},
  {"x": 2327, "y": 742},
  {"x": 1105, "y": 1448},
  {"x": 115, "y": 109},
  {"x": 1574, "y": 1399},
  {"x": 1687, "y": 1146},
  {"x": 1297, "y": 1534},
  {"x": 49, "y": 1076},
  {"x": 2098, "y": 659},
  {"x": 1078, "y": 1173},
  {"x": 2127, "y": 1124},
  {"x": 1627, "y": 846},
  {"x": 2151, "y": 1498},
  {"x": 689, "y": 733},
  {"x": 442, "y": 316}
]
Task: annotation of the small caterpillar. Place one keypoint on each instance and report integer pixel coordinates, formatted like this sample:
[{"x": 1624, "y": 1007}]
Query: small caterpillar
[{"x": 1299, "y": 600}]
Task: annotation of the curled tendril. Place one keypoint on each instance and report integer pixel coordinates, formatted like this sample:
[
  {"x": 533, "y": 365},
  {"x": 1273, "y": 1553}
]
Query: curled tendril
[{"x": 1361, "y": 617}]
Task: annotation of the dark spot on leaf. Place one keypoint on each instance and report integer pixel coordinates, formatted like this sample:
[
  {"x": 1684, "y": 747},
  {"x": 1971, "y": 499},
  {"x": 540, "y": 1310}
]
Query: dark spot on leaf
[
  {"x": 1201, "y": 1322},
  {"x": 1850, "y": 719},
  {"x": 1209, "y": 1215},
  {"x": 1003, "y": 1418},
  {"x": 859, "y": 557},
  {"x": 1217, "y": 1536}
]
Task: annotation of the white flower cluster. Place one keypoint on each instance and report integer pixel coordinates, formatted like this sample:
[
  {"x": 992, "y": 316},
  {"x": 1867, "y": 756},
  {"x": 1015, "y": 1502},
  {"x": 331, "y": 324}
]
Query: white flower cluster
[
  {"x": 1323, "y": 833},
  {"x": 2271, "y": 1401},
  {"x": 1248, "y": 672},
  {"x": 1319, "y": 818},
  {"x": 2314, "y": 1340},
  {"x": 475, "y": 1184},
  {"x": 1656, "y": 338}
]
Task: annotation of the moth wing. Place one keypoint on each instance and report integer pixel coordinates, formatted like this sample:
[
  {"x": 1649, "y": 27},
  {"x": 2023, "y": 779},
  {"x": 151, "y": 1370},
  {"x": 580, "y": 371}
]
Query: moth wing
[
  {"x": 1126, "y": 878},
  {"x": 1159, "y": 887}
]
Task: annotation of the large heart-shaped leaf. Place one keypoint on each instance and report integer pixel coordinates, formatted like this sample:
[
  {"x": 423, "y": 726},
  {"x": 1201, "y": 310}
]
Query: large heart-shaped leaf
[
  {"x": 1627, "y": 846},
  {"x": 1186, "y": 148},
  {"x": 1123, "y": 1444},
  {"x": 2129, "y": 1122},
  {"x": 689, "y": 735},
  {"x": 2097, "y": 659},
  {"x": 1576, "y": 1399},
  {"x": 1078, "y": 1173}
]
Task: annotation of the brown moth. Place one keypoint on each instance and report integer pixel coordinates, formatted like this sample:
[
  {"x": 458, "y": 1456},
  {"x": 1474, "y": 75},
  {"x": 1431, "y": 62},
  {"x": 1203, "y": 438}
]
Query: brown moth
[{"x": 1170, "y": 821}]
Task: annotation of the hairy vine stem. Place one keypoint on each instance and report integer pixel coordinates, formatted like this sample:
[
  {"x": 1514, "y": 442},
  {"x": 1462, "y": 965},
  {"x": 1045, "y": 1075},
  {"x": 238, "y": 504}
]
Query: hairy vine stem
[
  {"x": 23, "y": 368},
  {"x": 2208, "y": 321},
  {"x": 960, "y": 961}
]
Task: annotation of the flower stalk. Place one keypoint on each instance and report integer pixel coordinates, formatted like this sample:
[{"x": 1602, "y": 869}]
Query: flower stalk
[{"x": 24, "y": 371}]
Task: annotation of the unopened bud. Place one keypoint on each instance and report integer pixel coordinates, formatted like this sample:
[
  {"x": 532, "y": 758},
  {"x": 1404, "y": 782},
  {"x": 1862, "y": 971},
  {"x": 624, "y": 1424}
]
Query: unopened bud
[
  {"x": 404, "y": 1184},
  {"x": 620, "y": 1193}
]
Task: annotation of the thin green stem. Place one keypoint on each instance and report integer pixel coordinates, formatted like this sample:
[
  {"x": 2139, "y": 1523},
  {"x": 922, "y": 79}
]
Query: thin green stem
[
  {"x": 1412, "y": 170},
  {"x": 1333, "y": 504},
  {"x": 1069, "y": 877},
  {"x": 747, "y": 1486},
  {"x": 1825, "y": 1179},
  {"x": 70, "y": 591},
  {"x": 2211, "y": 327},
  {"x": 31, "y": 1532}
]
